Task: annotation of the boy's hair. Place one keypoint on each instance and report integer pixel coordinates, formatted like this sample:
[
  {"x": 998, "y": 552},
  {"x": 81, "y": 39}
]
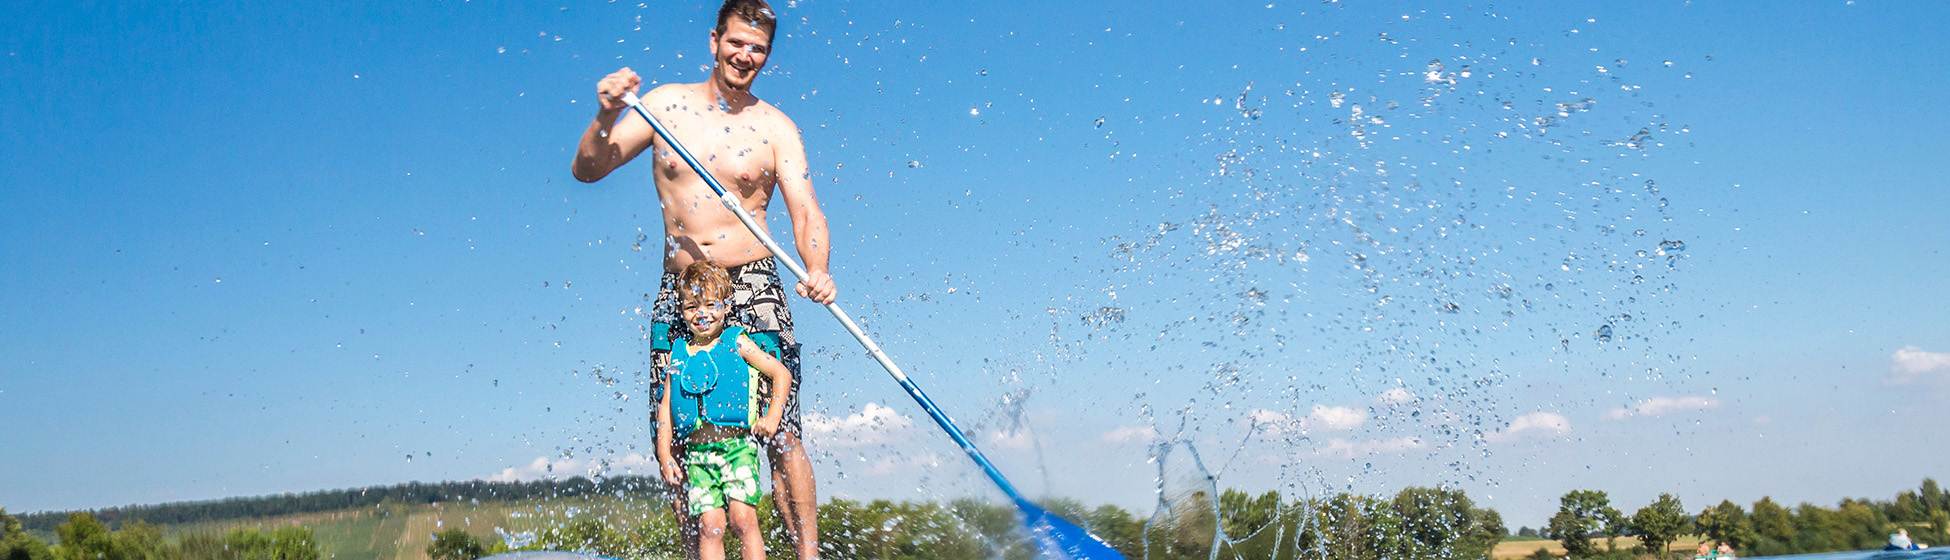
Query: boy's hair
[
  {"x": 704, "y": 282},
  {"x": 756, "y": 12}
]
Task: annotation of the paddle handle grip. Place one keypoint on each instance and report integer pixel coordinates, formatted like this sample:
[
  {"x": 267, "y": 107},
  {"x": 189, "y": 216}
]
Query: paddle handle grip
[{"x": 732, "y": 203}]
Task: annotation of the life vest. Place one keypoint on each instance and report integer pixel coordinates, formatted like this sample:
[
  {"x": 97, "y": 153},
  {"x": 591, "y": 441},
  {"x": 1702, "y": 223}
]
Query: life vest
[{"x": 712, "y": 385}]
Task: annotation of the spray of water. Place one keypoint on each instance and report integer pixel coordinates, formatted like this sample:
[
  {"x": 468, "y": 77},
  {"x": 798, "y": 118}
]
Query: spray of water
[{"x": 1354, "y": 286}]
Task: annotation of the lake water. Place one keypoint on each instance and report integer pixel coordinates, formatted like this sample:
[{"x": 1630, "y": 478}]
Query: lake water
[{"x": 1929, "y": 554}]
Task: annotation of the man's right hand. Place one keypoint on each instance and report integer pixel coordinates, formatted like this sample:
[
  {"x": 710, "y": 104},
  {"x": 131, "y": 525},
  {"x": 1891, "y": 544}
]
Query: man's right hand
[{"x": 611, "y": 89}]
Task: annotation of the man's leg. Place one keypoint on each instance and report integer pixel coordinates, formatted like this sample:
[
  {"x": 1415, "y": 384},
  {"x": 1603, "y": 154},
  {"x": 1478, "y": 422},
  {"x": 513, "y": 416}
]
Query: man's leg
[
  {"x": 794, "y": 492},
  {"x": 665, "y": 327},
  {"x": 686, "y": 524},
  {"x": 760, "y": 298}
]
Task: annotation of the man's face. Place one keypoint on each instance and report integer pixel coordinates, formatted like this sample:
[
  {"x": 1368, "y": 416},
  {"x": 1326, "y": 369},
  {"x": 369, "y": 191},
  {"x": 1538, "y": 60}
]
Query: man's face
[{"x": 740, "y": 52}]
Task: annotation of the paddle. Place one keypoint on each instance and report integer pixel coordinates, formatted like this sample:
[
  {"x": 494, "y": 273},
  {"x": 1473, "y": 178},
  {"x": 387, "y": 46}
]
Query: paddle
[{"x": 1054, "y": 536}]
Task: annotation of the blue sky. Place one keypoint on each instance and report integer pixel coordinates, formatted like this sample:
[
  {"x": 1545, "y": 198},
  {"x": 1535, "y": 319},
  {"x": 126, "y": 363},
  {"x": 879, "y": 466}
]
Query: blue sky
[{"x": 256, "y": 250}]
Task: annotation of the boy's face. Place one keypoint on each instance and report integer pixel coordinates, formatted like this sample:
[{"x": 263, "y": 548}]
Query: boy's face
[{"x": 705, "y": 318}]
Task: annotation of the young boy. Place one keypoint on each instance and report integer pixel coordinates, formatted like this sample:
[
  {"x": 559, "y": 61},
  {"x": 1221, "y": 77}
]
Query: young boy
[{"x": 711, "y": 409}]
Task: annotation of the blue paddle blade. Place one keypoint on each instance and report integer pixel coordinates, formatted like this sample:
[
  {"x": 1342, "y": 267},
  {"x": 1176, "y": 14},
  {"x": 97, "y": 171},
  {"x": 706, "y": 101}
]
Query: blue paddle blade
[{"x": 1061, "y": 540}]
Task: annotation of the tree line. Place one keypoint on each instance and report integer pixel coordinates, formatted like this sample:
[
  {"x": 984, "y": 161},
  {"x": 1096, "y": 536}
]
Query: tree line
[
  {"x": 259, "y": 507},
  {"x": 83, "y": 537},
  {"x": 1429, "y": 523},
  {"x": 1767, "y": 529},
  {"x": 1417, "y": 523}
]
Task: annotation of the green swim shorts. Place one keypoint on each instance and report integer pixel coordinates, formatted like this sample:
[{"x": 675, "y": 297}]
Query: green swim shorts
[{"x": 721, "y": 471}]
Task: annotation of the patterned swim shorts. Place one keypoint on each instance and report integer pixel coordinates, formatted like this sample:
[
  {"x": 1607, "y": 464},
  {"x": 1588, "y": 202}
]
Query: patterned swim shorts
[
  {"x": 757, "y": 303},
  {"x": 720, "y": 472}
]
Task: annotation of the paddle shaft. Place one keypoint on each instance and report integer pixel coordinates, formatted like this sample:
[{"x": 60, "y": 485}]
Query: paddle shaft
[{"x": 737, "y": 208}]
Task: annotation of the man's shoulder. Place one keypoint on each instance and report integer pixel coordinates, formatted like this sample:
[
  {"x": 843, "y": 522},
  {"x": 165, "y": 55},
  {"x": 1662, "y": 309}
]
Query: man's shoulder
[
  {"x": 776, "y": 118},
  {"x": 669, "y": 93}
]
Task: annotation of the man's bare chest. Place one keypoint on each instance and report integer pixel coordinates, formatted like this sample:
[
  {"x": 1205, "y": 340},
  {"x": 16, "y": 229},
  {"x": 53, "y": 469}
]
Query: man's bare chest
[{"x": 735, "y": 150}]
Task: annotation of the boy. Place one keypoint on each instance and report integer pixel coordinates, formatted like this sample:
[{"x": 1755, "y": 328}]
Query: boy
[{"x": 711, "y": 410}]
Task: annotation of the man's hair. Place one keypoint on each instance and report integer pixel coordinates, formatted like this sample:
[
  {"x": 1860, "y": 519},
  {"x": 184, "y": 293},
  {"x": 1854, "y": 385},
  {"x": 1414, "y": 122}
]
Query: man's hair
[
  {"x": 757, "y": 13},
  {"x": 704, "y": 282}
]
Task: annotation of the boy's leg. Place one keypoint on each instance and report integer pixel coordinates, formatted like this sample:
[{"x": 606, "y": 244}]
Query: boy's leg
[
  {"x": 744, "y": 522},
  {"x": 710, "y": 539}
]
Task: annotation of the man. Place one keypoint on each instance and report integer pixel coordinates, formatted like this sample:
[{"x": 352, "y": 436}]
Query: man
[{"x": 751, "y": 148}]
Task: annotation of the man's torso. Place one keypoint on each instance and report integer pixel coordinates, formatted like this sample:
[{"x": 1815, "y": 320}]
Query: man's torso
[{"x": 736, "y": 146}]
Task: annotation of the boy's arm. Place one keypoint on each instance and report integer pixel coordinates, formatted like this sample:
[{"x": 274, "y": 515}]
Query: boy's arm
[
  {"x": 666, "y": 460},
  {"x": 781, "y": 385}
]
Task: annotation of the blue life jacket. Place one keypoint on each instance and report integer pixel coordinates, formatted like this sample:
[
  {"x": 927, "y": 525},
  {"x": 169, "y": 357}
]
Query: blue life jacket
[{"x": 714, "y": 385}]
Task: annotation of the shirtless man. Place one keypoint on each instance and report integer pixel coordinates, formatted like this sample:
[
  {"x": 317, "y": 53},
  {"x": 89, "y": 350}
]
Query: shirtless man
[{"x": 750, "y": 147}]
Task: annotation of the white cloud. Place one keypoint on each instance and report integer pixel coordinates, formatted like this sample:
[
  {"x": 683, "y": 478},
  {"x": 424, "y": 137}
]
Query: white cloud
[
  {"x": 1396, "y": 395},
  {"x": 1912, "y": 365},
  {"x": 1349, "y": 449},
  {"x": 900, "y": 464},
  {"x": 1323, "y": 418},
  {"x": 1336, "y": 418},
  {"x": 872, "y": 425},
  {"x": 1539, "y": 423},
  {"x": 1131, "y": 434},
  {"x": 1269, "y": 420},
  {"x": 1660, "y": 406},
  {"x": 546, "y": 468},
  {"x": 1010, "y": 439}
]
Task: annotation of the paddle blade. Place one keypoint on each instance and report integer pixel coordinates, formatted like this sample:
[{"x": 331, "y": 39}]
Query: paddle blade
[{"x": 1061, "y": 540}]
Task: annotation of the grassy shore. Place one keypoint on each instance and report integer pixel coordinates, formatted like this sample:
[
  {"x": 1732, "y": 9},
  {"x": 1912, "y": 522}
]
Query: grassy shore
[
  {"x": 1518, "y": 547},
  {"x": 402, "y": 532}
]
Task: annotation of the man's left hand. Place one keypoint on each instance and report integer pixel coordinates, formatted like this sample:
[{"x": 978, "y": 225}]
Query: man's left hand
[{"x": 818, "y": 286}]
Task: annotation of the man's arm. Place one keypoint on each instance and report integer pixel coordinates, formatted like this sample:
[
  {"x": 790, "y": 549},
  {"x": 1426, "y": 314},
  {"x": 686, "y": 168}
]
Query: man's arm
[
  {"x": 808, "y": 222},
  {"x": 608, "y": 144}
]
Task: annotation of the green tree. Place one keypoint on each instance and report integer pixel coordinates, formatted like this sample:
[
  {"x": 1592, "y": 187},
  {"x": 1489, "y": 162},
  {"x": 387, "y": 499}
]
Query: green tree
[
  {"x": 1818, "y": 529},
  {"x": 202, "y": 546},
  {"x": 1908, "y": 508},
  {"x": 1241, "y": 514},
  {"x": 1934, "y": 497},
  {"x": 1445, "y": 523},
  {"x": 283, "y": 543},
  {"x": 1489, "y": 531},
  {"x": 1773, "y": 528},
  {"x": 84, "y": 538},
  {"x": 1659, "y": 523},
  {"x": 1861, "y": 525},
  {"x": 1118, "y": 528},
  {"x": 1580, "y": 514},
  {"x": 1726, "y": 523},
  {"x": 456, "y": 544},
  {"x": 17, "y": 544}
]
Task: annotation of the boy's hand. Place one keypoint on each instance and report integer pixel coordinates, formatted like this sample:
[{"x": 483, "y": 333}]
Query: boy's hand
[
  {"x": 766, "y": 427},
  {"x": 673, "y": 475}
]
